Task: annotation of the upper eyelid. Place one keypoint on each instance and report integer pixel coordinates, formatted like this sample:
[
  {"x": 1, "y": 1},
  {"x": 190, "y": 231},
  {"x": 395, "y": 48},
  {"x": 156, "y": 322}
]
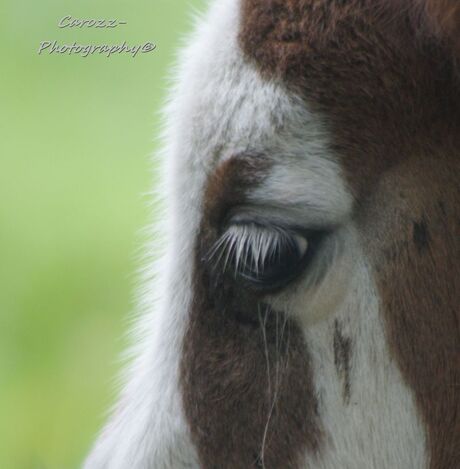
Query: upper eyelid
[{"x": 274, "y": 217}]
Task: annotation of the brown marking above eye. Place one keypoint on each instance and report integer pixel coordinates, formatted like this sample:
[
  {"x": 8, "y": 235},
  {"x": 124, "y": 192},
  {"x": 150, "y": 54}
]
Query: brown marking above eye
[
  {"x": 342, "y": 359},
  {"x": 421, "y": 235},
  {"x": 227, "y": 187}
]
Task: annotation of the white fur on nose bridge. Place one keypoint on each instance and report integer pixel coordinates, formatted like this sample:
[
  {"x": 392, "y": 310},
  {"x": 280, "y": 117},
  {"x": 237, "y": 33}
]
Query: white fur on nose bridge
[{"x": 374, "y": 424}]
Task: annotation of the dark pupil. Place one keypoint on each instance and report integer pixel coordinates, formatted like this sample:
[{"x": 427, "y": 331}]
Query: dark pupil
[{"x": 277, "y": 266}]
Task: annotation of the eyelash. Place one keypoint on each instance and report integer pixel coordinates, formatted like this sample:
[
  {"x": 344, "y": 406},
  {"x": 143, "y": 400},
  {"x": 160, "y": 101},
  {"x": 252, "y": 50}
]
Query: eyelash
[{"x": 263, "y": 256}]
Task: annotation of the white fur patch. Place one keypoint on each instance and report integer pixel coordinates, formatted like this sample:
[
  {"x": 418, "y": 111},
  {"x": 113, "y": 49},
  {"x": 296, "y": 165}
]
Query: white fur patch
[{"x": 377, "y": 426}]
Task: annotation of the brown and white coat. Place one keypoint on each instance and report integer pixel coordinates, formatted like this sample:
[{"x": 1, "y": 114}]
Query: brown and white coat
[{"x": 339, "y": 117}]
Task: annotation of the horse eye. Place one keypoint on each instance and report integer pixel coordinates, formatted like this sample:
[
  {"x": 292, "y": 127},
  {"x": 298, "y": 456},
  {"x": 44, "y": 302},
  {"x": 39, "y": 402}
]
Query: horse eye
[
  {"x": 263, "y": 257},
  {"x": 276, "y": 265}
]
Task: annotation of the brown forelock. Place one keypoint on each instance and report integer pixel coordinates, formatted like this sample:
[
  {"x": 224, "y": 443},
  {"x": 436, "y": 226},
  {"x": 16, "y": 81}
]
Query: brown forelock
[
  {"x": 390, "y": 96},
  {"x": 246, "y": 378}
]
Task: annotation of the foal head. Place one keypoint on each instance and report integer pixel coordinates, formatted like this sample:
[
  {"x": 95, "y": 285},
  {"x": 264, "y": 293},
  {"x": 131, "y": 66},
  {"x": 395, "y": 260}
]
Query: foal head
[{"x": 310, "y": 310}]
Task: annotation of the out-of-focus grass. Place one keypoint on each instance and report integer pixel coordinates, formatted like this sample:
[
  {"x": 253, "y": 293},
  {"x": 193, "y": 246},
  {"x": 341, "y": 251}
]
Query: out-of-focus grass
[{"x": 76, "y": 135}]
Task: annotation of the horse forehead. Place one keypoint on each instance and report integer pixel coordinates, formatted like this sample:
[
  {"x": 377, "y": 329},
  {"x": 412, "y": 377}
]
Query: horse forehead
[
  {"x": 227, "y": 105},
  {"x": 254, "y": 80}
]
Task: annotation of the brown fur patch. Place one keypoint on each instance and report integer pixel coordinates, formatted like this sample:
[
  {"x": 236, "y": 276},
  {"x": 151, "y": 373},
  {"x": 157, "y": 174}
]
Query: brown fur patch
[
  {"x": 390, "y": 95},
  {"x": 435, "y": 20},
  {"x": 445, "y": 15},
  {"x": 420, "y": 288},
  {"x": 421, "y": 236},
  {"x": 360, "y": 66},
  {"x": 440, "y": 18},
  {"x": 245, "y": 373},
  {"x": 342, "y": 359}
]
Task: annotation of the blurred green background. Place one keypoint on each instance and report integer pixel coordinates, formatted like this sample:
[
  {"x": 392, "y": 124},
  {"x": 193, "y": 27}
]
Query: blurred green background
[{"x": 76, "y": 139}]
